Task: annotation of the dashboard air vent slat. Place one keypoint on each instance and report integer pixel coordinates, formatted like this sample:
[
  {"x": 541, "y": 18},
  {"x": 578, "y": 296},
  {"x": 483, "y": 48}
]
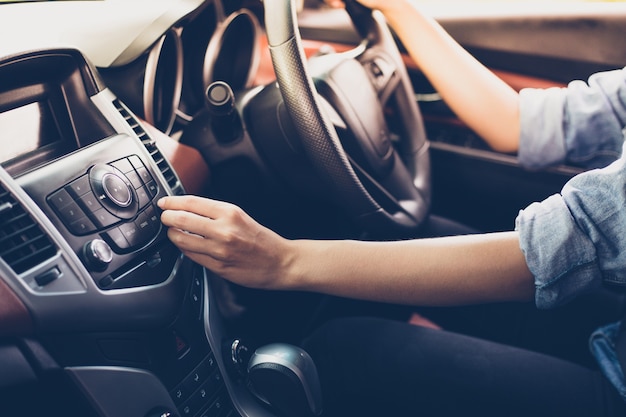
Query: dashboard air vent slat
[
  {"x": 149, "y": 144},
  {"x": 23, "y": 244}
]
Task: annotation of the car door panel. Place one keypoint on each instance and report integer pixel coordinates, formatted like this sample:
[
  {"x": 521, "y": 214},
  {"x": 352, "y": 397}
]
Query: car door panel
[{"x": 526, "y": 48}]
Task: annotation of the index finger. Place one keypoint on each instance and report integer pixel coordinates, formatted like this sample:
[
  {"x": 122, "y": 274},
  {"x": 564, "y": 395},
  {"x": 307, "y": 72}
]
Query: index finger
[{"x": 201, "y": 206}]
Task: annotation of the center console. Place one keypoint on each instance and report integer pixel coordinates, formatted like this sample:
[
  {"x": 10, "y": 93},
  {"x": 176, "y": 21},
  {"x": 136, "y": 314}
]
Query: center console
[
  {"x": 123, "y": 325},
  {"x": 118, "y": 312}
]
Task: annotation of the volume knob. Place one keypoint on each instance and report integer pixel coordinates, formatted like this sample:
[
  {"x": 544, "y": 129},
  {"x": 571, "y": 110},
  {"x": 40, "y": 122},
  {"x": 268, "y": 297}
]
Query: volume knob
[
  {"x": 97, "y": 254},
  {"x": 117, "y": 190},
  {"x": 114, "y": 191}
]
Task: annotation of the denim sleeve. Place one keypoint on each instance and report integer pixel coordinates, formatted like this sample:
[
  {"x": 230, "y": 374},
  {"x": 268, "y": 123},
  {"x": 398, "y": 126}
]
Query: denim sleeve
[
  {"x": 580, "y": 125},
  {"x": 575, "y": 240}
]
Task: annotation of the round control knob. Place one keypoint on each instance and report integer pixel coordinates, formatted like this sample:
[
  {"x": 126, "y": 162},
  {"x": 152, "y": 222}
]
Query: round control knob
[
  {"x": 117, "y": 190},
  {"x": 225, "y": 121},
  {"x": 97, "y": 254},
  {"x": 220, "y": 99},
  {"x": 114, "y": 191}
]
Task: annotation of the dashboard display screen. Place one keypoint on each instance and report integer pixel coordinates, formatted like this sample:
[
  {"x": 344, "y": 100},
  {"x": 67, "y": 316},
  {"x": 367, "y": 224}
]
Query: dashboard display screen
[{"x": 27, "y": 128}]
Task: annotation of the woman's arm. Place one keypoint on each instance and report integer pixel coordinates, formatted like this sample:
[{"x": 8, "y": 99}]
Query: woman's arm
[
  {"x": 441, "y": 271},
  {"x": 477, "y": 96}
]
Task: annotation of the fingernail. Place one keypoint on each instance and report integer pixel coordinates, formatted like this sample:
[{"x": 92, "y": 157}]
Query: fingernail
[{"x": 161, "y": 202}]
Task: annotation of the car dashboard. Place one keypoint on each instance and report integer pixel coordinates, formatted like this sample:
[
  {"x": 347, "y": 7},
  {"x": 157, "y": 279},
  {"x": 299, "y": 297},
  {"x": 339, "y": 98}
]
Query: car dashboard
[{"x": 101, "y": 314}]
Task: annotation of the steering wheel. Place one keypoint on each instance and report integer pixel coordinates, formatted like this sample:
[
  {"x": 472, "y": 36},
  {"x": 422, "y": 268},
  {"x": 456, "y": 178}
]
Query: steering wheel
[{"x": 384, "y": 184}]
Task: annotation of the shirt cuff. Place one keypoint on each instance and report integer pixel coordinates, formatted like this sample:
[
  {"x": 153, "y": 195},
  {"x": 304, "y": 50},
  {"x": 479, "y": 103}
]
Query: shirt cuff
[
  {"x": 558, "y": 253},
  {"x": 542, "y": 143}
]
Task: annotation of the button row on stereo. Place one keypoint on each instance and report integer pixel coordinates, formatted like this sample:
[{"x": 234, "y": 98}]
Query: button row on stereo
[
  {"x": 132, "y": 235},
  {"x": 132, "y": 167},
  {"x": 70, "y": 213},
  {"x": 139, "y": 177}
]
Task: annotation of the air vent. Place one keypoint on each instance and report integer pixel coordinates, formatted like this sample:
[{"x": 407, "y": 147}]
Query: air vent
[
  {"x": 150, "y": 145},
  {"x": 23, "y": 244}
]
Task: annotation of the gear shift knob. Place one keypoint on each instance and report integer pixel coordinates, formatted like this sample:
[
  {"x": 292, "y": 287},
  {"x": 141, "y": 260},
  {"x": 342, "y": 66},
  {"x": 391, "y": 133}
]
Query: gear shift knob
[{"x": 285, "y": 377}]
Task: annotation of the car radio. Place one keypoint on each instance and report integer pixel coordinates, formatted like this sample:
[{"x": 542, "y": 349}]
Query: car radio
[{"x": 106, "y": 211}]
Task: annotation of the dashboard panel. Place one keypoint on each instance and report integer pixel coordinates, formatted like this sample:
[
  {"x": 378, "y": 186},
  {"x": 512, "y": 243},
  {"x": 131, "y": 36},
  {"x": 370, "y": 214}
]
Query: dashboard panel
[
  {"x": 82, "y": 250},
  {"x": 94, "y": 299},
  {"x": 78, "y": 194}
]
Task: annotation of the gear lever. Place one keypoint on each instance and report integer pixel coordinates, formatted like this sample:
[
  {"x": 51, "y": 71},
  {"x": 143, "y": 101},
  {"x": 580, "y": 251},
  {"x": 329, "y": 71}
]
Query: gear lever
[{"x": 285, "y": 377}]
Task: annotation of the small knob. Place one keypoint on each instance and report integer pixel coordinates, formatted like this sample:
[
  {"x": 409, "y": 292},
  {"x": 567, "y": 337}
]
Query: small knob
[
  {"x": 225, "y": 121},
  {"x": 97, "y": 254},
  {"x": 220, "y": 98},
  {"x": 239, "y": 356}
]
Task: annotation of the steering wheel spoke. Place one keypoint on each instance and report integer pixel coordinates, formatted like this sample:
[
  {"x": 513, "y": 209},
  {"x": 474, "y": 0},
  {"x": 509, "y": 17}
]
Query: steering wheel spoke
[
  {"x": 382, "y": 70},
  {"x": 385, "y": 188},
  {"x": 395, "y": 192}
]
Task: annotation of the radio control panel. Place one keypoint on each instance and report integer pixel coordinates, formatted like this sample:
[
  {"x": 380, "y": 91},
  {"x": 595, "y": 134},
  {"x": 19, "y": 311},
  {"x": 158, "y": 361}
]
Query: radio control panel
[
  {"x": 115, "y": 199},
  {"x": 105, "y": 208}
]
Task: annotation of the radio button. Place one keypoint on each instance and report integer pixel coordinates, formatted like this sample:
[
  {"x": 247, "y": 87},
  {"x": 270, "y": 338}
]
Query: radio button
[
  {"x": 123, "y": 165},
  {"x": 71, "y": 212},
  {"x": 144, "y": 225},
  {"x": 90, "y": 203},
  {"x": 81, "y": 226},
  {"x": 143, "y": 197},
  {"x": 102, "y": 218},
  {"x": 136, "y": 162},
  {"x": 79, "y": 187},
  {"x": 134, "y": 179},
  {"x": 116, "y": 238},
  {"x": 144, "y": 174},
  {"x": 60, "y": 199},
  {"x": 132, "y": 234},
  {"x": 152, "y": 189},
  {"x": 153, "y": 218}
]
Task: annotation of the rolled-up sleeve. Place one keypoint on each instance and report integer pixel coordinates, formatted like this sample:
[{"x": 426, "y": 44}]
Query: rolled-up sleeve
[
  {"x": 575, "y": 240},
  {"x": 581, "y": 125}
]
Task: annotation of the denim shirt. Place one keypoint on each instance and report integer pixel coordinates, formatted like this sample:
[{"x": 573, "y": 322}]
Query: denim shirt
[
  {"x": 576, "y": 240},
  {"x": 582, "y": 125}
]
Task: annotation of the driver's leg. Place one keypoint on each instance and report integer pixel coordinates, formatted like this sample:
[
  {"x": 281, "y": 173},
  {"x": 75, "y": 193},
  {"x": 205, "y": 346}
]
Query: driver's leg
[
  {"x": 563, "y": 332},
  {"x": 386, "y": 368}
]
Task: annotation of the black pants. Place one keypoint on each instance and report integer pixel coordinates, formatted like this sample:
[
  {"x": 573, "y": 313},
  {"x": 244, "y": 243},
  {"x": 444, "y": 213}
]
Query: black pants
[{"x": 381, "y": 367}]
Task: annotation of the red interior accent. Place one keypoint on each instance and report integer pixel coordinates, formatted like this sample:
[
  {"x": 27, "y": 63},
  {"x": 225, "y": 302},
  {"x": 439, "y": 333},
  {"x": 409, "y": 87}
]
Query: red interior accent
[
  {"x": 14, "y": 316},
  {"x": 188, "y": 163},
  {"x": 266, "y": 75}
]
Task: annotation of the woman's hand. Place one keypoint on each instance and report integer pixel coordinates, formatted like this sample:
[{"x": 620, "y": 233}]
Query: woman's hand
[
  {"x": 223, "y": 238},
  {"x": 487, "y": 104}
]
